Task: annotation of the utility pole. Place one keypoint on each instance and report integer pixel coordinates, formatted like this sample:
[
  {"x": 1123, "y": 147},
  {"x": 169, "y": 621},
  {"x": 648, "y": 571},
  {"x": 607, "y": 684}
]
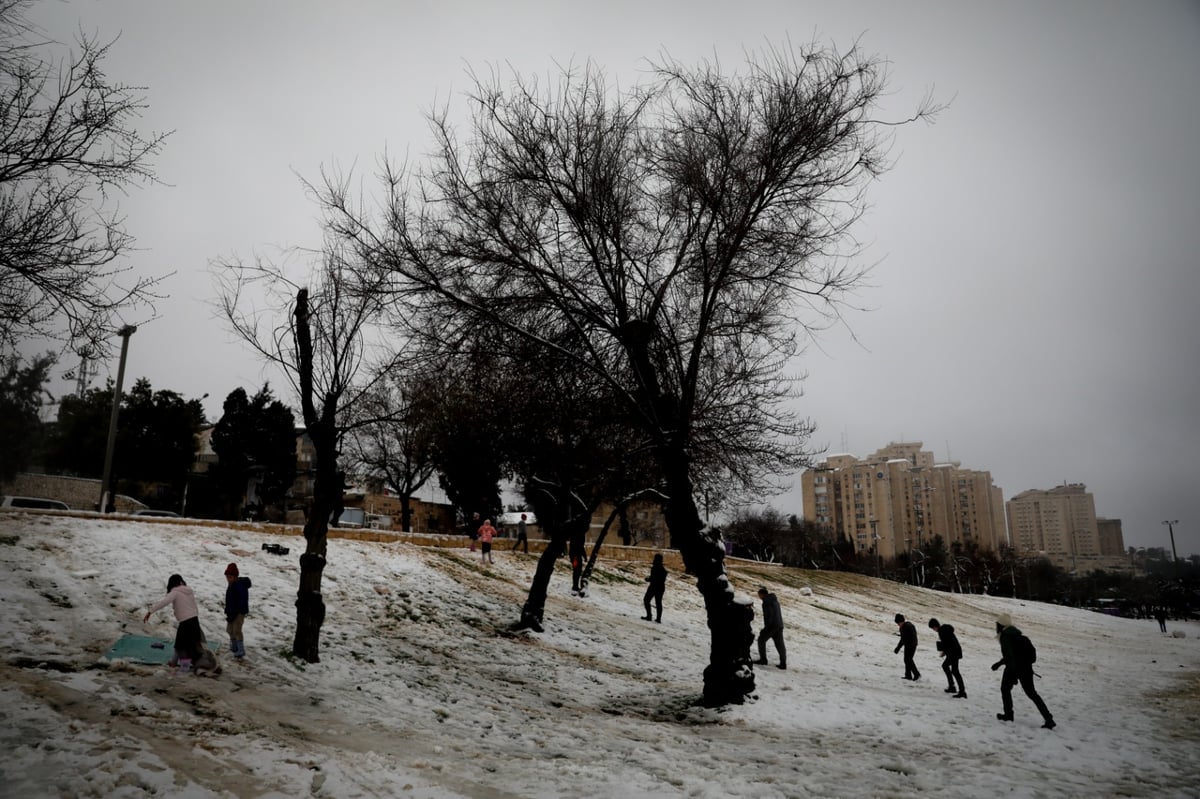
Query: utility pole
[
  {"x": 1171, "y": 530},
  {"x": 105, "y": 487}
]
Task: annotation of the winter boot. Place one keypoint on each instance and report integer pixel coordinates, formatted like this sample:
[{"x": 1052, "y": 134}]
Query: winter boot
[
  {"x": 951, "y": 689},
  {"x": 961, "y": 695},
  {"x": 1049, "y": 725},
  {"x": 1004, "y": 716}
]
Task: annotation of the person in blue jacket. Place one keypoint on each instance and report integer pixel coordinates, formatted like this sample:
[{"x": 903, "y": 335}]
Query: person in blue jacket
[{"x": 237, "y": 606}]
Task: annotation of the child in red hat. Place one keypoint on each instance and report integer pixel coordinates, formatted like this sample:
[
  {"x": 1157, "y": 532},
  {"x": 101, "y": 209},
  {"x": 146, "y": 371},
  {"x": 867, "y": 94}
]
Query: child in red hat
[{"x": 237, "y": 606}]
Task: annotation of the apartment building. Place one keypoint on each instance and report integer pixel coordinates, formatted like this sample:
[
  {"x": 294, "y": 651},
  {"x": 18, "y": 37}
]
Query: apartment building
[
  {"x": 1060, "y": 523},
  {"x": 1112, "y": 539},
  {"x": 900, "y": 498}
]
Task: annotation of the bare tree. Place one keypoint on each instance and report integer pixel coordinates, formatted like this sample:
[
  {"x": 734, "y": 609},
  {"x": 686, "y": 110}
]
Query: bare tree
[
  {"x": 395, "y": 445},
  {"x": 67, "y": 144},
  {"x": 678, "y": 240},
  {"x": 321, "y": 342}
]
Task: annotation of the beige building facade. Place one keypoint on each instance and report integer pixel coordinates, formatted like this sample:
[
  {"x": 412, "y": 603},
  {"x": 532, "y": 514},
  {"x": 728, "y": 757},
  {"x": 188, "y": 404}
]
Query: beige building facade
[
  {"x": 900, "y": 498},
  {"x": 1060, "y": 523}
]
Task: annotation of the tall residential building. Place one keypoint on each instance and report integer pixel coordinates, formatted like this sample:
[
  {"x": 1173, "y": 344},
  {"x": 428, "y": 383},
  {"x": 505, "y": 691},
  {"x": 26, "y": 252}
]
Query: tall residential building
[
  {"x": 1059, "y": 522},
  {"x": 900, "y": 498},
  {"x": 1112, "y": 540}
]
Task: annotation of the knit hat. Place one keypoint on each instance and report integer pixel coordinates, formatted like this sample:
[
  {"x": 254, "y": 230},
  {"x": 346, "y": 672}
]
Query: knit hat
[
  {"x": 899, "y": 618},
  {"x": 231, "y": 570},
  {"x": 1004, "y": 620},
  {"x": 934, "y": 624}
]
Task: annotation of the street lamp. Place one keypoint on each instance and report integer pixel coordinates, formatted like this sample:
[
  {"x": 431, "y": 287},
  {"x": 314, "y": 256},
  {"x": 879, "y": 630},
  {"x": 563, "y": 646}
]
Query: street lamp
[
  {"x": 1171, "y": 529},
  {"x": 105, "y": 488}
]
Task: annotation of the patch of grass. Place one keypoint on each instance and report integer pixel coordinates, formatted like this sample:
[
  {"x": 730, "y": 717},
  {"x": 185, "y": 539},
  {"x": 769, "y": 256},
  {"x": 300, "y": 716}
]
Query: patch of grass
[
  {"x": 10, "y": 540},
  {"x": 58, "y": 601},
  {"x": 287, "y": 655},
  {"x": 606, "y": 577},
  {"x": 819, "y": 606}
]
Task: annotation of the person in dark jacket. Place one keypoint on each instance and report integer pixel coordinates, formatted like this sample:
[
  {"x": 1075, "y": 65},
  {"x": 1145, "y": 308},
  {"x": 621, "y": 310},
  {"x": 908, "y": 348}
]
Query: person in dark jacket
[
  {"x": 772, "y": 628},
  {"x": 908, "y": 642},
  {"x": 658, "y": 584},
  {"x": 951, "y": 653},
  {"x": 237, "y": 606},
  {"x": 522, "y": 536},
  {"x": 1016, "y": 670}
]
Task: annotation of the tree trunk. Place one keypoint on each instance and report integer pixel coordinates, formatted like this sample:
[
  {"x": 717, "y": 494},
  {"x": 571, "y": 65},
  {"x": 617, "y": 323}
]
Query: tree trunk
[
  {"x": 729, "y": 676},
  {"x": 561, "y": 527},
  {"x": 310, "y": 606},
  {"x": 406, "y": 513}
]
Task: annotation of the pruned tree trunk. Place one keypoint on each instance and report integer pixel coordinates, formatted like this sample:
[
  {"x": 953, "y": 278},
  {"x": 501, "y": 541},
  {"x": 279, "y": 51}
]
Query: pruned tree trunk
[{"x": 310, "y": 606}]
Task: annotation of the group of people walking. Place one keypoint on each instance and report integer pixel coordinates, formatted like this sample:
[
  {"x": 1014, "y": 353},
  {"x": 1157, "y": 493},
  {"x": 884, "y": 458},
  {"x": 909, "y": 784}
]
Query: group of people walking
[
  {"x": 1017, "y": 656},
  {"x": 190, "y": 649}
]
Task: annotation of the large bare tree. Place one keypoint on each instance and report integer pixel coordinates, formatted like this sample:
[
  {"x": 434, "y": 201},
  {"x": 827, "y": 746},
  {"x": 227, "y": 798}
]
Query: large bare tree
[
  {"x": 67, "y": 146},
  {"x": 318, "y": 332},
  {"x": 680, "y": 240}
]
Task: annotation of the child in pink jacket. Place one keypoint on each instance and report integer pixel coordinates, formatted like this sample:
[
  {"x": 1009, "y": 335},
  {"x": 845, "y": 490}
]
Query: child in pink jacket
[
  {"x": 486, "y": 534},
  {"x": 188, "y": 636}
]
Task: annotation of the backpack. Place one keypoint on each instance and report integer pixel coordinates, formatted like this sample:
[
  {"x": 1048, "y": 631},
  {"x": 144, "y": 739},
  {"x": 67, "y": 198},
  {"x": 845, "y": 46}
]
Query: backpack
[{"x": 1025, "y": 651}]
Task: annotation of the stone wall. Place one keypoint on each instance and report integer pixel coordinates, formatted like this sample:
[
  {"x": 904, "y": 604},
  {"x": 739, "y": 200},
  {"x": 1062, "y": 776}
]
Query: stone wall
[{"x": 80, "y": 493}]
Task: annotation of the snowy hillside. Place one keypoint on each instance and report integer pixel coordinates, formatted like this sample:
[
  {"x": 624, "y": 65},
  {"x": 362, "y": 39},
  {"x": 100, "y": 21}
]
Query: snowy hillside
[{"x": 423, "y": 692}]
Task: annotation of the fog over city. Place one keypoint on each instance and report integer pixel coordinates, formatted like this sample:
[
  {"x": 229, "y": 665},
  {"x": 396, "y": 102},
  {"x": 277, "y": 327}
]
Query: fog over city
[{"x": 1034, "y": 249}]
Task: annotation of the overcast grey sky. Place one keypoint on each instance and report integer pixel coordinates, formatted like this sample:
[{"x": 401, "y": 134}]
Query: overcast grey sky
[{"x": 1036, "y": 249}]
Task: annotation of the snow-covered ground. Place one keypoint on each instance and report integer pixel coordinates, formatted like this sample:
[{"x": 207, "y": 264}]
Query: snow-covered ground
[{"x": 422, "y": 691}]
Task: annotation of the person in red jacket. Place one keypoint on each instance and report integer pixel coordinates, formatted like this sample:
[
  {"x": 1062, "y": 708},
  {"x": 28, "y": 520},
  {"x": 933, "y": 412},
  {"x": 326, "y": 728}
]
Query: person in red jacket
[{"x": 486, "y": 534}]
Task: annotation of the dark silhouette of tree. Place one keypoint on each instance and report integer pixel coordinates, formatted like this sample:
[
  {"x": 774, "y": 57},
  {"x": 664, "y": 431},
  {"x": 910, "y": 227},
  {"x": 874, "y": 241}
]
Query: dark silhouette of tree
[
  {"x": 156, "y": 440},
  {"x": 468, "y": 427},
  {"x": 22, "y": 390},
  {"x": 157, "y": 436},
  {"x": 255, "y": 438},
  {"x": 316, "y": 330},
  {"x": 68, "y": 147},
  {"x": 573, "y": 448},
  {"x": 679, "y": 240}
]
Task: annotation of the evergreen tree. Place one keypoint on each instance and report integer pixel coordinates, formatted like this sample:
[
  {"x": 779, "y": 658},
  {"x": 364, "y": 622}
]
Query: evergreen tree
[
  {"x": 255, "y": 438},
  {"x": 21, "y": 391}
]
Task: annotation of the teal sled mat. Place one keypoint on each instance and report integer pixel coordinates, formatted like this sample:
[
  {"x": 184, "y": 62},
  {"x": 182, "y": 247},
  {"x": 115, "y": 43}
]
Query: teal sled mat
[{"x": 144, "y": 649}]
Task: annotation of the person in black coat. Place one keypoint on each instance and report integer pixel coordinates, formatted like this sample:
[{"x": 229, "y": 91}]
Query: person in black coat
[
  {"x": 658, "y": 584},
  {"x": 951, "y": 653},
  {"x": 908, "y": 642},
  {"x": 772, "y": 628}
]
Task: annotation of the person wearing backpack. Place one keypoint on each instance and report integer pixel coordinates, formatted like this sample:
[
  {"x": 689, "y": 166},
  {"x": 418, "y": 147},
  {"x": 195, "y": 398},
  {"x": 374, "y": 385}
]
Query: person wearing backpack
[{"x": 1017, "y": 656}]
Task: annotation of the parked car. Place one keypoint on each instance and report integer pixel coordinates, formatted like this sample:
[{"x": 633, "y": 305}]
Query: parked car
[
  {"x": 152, "y": 512},
  {"x": 36, "y": 503}
]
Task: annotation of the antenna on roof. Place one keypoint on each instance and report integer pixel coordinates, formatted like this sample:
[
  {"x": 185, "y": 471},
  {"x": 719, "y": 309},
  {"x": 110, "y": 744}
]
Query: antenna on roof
[{"x": 949, "y": 457}]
